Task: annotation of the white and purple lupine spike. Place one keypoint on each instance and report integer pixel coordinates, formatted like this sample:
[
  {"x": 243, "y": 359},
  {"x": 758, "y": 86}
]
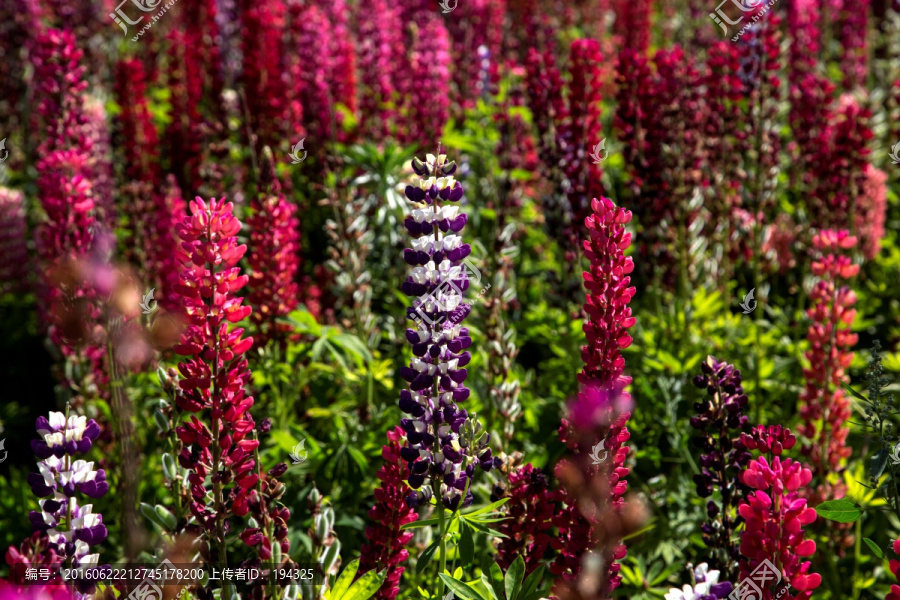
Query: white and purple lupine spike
[
  {"x": 60, "y": 436},
  {"x": 436, "y": 374},
  {"x": 70, "y": 529}
]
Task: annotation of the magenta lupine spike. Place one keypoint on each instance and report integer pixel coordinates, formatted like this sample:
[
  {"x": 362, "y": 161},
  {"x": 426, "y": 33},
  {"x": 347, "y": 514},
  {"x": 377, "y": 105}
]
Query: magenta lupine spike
[
  {"x": 14, "y": 268},
  {"x": 59, "y": 78},
  {"x": 840, "y": 164},
  {"x": 215, "y": 374},
  {"x": 265, "y": 92},
  {"x": 64, "y": 176},
  {"x": 203, "y": 40},
  {"x": 100, "y": 160},
  {"x": 274, "y": 257},
  {"x": 425, "y": 83},
  {"x": 385, "y": 540},
  {"x": 436, "y": 375},
  {"x": 824, "y": 406},
  {"x": 852, "y": 24},
  {"x": 600, "y": 412},
  {"x": 183, "y": 136},
  {"x": 775, "y": 515},
  {"x": 476, "y": 31},
  {"x": 584, "y": 131},
  {"x": 19, "y": 24},
  {"x": 870, "y": 211},
  {"x": 609, "y": 292},
  {"x": 311, "y": 70},
  {"x": 343, "y": 51},
  {"x": 633, "y": 25},
  {"x": 529, "y": 512},
  {"x": 137, "y": 134},
  {"x": 169, "y": 210},
  {"x": 381, "y": 50}
]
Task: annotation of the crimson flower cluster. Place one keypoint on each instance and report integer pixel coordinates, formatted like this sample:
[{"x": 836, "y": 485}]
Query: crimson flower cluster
[
  {"x": 601, "y": 408},
  {"x": 274, "y": 258},
  {"x": 894, "y": 594},
  {"x": 824, "y": 407},
  {"x": 183, "y": 137},
  {"x": 775, "y": 515},
  {"x": 476, "y": 32},
  {"x": 34, "y": 553},
  {"x": 261, "y": 44},
  {"x": 215, "y": 373},
  {"x": 665, "y": 163},
  {"x": 385, "y": 541},
  {"x": 380, "y": 52},
  {"x": 137, "y": 131},
  {"x": 720, "y": 420},
  {"x": 14, "y": 270},
  {"x": 438, "y": 452},
  {"x": 64, "y": 182},
  {"x": 529, "y": 516},
  {"x": 425, "y": 84},
  {"x": 870, "y": 212}
]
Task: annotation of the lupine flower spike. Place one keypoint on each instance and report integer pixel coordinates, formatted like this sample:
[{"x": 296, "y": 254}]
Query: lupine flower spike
[
  {"x": 70, "y": 528},
  {"x": 600, "y": 412},
  {"x": 720, "y": 420},
  {"x": 441, "y": 452},
  {"x": 775, "y": 513},
  {"x": 215, "y": 373}
]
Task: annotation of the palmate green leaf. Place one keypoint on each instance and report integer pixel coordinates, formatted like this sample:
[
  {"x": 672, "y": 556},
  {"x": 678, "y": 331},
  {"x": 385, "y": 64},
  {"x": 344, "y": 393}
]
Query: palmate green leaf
[
  {"x": 486, "y": 583},
  {"x": 512, "y": 583},
  {"x": 466, "y": 544},
  {"x": 365, "y": 587},
  {"x": 462, "y": 589},
  {"x": 842, "y": 511},
  {"x": 344, "y": 581},
  {"x": 486, "y": 529},
  {"x": 426, "y": 557},
  {"x": 531, "y": 582},
  {"x": 874, "y": 548}
]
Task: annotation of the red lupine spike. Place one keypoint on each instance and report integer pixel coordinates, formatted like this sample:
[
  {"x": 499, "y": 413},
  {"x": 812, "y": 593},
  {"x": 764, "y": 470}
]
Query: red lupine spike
[{"x": 384, "y": 538}]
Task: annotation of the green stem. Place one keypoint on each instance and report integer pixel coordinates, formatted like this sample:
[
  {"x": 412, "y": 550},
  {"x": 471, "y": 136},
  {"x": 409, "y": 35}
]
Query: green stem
[
  {"x": 442, "y": 565},
  {"x": 218, "y": 492}
]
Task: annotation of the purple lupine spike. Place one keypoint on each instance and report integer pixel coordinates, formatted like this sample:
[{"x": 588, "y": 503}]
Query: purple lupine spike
[
  {"x": 443, "y": 443},
  {"x": 69, "y": 529},
  {"x": 721, "y": 422}
]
